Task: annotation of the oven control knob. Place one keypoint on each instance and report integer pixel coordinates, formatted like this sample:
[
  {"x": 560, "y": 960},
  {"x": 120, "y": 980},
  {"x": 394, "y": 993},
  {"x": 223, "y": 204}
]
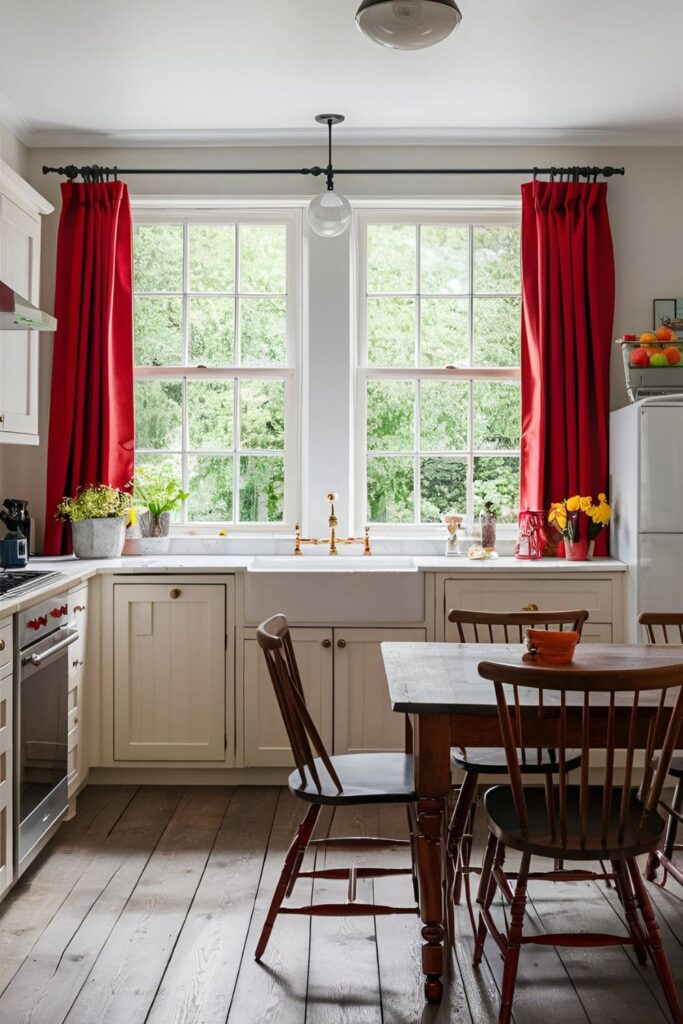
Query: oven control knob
[{"x": 37, "y": 623}]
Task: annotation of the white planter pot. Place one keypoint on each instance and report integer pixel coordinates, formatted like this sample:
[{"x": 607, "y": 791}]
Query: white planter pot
[{"x": 99, "y": 538}]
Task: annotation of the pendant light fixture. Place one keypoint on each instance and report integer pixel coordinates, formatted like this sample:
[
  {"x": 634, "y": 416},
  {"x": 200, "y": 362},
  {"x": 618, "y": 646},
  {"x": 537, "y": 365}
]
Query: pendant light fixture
[
  {"x": 408, "y": 24},
  {"x": 329, "y": 214}
]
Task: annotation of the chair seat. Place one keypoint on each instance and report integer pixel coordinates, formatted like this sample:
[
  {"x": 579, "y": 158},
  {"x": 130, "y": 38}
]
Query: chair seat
[
  {"x": 492, "y": 761},
  {"x": 677, "y": 767},
  {"x": 503, "y": 823},
  {"x": 366, "y": 778}
]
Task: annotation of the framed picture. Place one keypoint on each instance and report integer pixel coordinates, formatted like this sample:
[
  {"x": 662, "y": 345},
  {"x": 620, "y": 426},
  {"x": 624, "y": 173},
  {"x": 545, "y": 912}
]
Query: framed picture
[{"x": 663, "y": 309}]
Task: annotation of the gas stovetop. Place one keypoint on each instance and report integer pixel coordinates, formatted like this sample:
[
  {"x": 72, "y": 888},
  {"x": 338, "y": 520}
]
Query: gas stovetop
[{"x": 23, "y": 579}]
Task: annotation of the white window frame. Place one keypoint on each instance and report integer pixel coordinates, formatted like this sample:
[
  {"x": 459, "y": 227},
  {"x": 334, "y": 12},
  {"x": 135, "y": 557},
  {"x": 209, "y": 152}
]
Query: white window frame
[
  {"x": 462, "y": 212},
  {"x": 166, "y": 210}
]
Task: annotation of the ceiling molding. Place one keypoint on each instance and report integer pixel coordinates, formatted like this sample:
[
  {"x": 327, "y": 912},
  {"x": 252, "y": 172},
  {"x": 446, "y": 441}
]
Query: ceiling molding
[
  {"x": 15, "y": 122},
  {"x": 54, "y": 138}
]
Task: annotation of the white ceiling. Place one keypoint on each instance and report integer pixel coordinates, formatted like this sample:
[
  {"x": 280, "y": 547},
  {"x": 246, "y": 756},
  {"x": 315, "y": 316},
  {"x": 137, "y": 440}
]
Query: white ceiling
[{"x": 163, "y": 71}]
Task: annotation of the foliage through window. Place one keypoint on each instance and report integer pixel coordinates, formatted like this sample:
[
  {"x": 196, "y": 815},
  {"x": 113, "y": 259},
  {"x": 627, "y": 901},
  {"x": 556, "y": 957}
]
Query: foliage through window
[
  {"x": 438, "y": 384},
  {"x": 215, "y": 358}
]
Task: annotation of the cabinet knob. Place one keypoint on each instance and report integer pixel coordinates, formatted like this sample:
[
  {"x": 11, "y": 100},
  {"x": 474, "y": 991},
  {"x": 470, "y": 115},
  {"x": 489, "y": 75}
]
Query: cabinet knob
[
  {"x": 2, "y": 645},
  {"x": 341, "y": 643},
  {"x": 326, "y": 643},
  {"x": 175, "y": 594},
  {"x": 76, "y": 721},
  {"x": 79, "y": 608},
  {"x": 531, "y": 607}
]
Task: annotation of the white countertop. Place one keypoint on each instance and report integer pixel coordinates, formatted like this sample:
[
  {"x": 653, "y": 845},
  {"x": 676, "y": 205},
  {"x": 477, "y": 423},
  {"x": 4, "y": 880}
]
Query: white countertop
[{"x": 74, "y": 571}]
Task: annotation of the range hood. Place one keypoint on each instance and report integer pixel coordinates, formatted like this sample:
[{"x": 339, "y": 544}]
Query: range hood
[{"x": 17, "y": 313}]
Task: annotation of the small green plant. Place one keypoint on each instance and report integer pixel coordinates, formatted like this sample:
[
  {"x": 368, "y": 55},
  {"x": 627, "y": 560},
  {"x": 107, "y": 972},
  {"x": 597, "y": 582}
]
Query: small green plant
[
  {"x": 97, "y": 501},
  {"x": 157, "y": 489}
]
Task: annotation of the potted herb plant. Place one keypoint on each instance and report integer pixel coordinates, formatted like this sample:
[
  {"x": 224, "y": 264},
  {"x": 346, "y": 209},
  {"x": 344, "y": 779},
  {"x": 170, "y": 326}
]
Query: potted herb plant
[
  {"x": 156, "y": 490},
  {"x": 98, "y": 515}
]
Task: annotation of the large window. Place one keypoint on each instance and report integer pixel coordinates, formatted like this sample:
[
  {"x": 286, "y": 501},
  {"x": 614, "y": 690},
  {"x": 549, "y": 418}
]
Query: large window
[
  {"x": 438, "y": 394},
  {"x": 216, "y": 345}
]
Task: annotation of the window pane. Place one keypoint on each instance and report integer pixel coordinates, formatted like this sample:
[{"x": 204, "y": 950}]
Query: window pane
[
  {"x": 170, "y": 463},
  {"x": 497, "y": 328},
  {"x": 212, "y": 257},
  {"x": 443, "y": 415},
  {"x": 262, "y": 414},
  {"x": 391, "y": 489},
  {"x": 391, "y": 257},
  {"x": 496, "y": 414},
  {"x": 391, "y": 332},
  {"x": 496, "y": 258},
  {"x": 158, "y": 414},
  {"x": 212, "y": 332},
  {"x": 391, "y": 416},
  {"x": 158, "y": 258},
  {"x": 158, "y": 332},
  {"x": 263, "y": 258},
  {"x": 496, "y": 479},
  {"x": 210, "y": 411},
  {"x": 263, "y": 332},
  {"x": 443, "y": 484},
  {"x": 443, "y": 336},
  {"x": 210, "y": 487},
  {"x": 262, "y": 488},
  {"x": 444, "y": 259}
]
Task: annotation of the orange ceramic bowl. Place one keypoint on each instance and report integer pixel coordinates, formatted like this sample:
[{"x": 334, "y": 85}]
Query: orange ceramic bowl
[{"x": 550, "y": 646}]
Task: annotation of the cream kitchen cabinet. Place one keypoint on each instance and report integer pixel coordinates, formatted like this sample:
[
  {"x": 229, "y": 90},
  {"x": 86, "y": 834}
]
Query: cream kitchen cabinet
[
  {"x": 265, "y": 738},
  {"x": 346, "y": 692},
  {"x": 21, "y": 208},
  {"x": 363, "y": 719},
  {"x": 169, "y": 682},
  {"x": 78, "y": 669},
  {"x": 6, "y": 758}
]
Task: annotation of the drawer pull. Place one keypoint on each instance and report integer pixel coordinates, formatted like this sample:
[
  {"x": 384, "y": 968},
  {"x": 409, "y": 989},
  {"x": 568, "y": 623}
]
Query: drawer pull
[
  {"x": 175, "y": 594},
  {"x": 341, "y": 643},
  {"x": 531, "y": 607},
  {"x": 79, "y": 608},
  {"x": 326, "y": 643},
  {"x": 76, "y": 720},
  {"x": 2, "y": 645},
  {"x": 76, "y": 663}
]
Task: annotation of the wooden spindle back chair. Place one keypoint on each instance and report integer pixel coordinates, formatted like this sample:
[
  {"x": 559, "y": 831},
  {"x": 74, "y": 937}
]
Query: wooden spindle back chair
[
  {"x": 321, "y": 778},
  {"x": 609, "y": 820},
  {"x": 667, "y": 628},
  {"x": 488, "y": 628}
]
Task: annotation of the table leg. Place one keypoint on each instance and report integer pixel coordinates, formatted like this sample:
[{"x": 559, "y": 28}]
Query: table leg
[{"x": 431, "y": 817}]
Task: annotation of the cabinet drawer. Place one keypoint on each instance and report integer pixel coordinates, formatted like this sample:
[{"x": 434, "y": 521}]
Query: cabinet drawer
[
  {"x": 73, "y": 767},
  {"x": 513, "y": 595},
  {"x": 78, "y": 616},
  {"x": 73, "y": 728},
  {"x": 6, "y": 643}
]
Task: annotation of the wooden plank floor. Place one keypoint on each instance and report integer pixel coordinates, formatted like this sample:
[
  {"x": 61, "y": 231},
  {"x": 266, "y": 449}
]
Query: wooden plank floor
[{"x": 146, "y": 907}]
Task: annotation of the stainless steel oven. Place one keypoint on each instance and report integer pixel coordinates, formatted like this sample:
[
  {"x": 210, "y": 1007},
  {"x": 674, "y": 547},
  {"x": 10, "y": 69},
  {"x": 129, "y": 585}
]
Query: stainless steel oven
[{"x": 43, "y": 635}]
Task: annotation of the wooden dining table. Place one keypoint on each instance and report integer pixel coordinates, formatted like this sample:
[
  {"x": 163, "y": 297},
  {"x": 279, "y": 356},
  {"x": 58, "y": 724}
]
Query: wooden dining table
[{"x": 439, "y": 686}]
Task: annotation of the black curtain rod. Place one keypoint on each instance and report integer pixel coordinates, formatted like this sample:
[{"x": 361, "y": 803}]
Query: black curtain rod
[{"x": 97, "y": 173}]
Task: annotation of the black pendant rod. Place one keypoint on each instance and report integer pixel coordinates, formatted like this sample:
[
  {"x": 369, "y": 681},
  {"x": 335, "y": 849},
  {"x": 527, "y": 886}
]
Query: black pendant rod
[{"x": 94, "y": 172}]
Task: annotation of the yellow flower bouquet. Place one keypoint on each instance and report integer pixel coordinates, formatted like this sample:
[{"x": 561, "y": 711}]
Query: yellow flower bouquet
[{"x": 580, "y": 521}]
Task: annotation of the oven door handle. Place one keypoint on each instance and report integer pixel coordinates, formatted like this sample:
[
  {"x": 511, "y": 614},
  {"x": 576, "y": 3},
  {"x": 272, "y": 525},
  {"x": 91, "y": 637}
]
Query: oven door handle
[{"x": 44, "y": 658}]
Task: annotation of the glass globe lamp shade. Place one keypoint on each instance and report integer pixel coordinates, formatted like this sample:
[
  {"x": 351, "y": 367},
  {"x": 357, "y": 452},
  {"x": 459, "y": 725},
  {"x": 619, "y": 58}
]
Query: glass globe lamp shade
[
  {"x": 329, "y": 214},
  {"x": 408, "y": 24}
]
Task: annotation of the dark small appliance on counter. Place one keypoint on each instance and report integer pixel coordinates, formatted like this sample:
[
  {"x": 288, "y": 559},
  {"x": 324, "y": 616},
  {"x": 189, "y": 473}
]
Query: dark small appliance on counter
[{"x": 15, "y": 545}]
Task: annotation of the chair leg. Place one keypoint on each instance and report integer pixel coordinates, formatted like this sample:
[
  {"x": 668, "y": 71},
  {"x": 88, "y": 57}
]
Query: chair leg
[
  {"x": 655, "y": 859},
  {"x": 288, "y": 874},
  {"x": 630, "y": 904},
  {"x": 487, "y": 889},
  {"x": 514, "y": 942},
  {"x": 456, "y": 829},
  {"x": 654, "y": 942},
  {"x": 412, "y": 829}
]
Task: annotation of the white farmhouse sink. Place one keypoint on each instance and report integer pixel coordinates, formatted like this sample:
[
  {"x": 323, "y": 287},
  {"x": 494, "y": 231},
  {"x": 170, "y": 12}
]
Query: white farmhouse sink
[{"x": 327, "y": 563}]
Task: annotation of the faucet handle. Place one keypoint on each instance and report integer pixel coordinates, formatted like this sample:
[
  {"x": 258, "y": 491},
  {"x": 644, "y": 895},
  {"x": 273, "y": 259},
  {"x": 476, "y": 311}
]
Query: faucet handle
[{"x": 331, "y": 496}]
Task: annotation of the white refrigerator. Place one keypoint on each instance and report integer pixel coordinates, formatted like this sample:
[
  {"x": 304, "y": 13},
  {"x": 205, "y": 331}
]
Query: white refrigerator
[{"x": 646, "y": 486}]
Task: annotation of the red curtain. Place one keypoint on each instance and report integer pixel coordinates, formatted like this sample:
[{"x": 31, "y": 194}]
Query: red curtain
[
  {"x": 567, "y": 314},
  {"x": 92, "y": 426}
]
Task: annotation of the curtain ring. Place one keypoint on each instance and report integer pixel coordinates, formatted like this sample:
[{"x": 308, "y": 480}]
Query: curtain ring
[{"x": 535, "y": 173}]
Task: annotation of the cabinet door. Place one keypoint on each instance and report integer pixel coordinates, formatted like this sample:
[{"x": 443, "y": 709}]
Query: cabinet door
[
  {"x": 363, "y": 719},
  {"x": 265, "y": 737},
  {"x": 19, "y": 253},
  {"x": 6, "y": 775},
  {"x": 169, "y": 672}
]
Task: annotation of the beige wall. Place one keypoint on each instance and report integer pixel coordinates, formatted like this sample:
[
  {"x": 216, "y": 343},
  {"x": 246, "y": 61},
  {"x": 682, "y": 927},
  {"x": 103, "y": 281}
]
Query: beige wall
[
  {"x": 646, "y": 211},
  {"x": 13, "y": 152}
]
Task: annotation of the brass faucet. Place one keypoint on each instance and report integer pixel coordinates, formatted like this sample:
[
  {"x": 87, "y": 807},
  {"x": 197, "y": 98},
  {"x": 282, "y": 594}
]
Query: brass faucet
[{"x": 332, "y": 540}]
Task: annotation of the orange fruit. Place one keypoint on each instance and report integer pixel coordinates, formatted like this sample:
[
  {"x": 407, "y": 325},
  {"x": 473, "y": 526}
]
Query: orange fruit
[
  {"x": 672, "y": 354},
  {"x": 664, "y": 333},
  {"x": 648, "y": 338}
]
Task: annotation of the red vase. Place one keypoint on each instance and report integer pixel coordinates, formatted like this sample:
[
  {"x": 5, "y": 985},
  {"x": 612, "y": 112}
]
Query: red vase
[{"x": 579, "y": 550}]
